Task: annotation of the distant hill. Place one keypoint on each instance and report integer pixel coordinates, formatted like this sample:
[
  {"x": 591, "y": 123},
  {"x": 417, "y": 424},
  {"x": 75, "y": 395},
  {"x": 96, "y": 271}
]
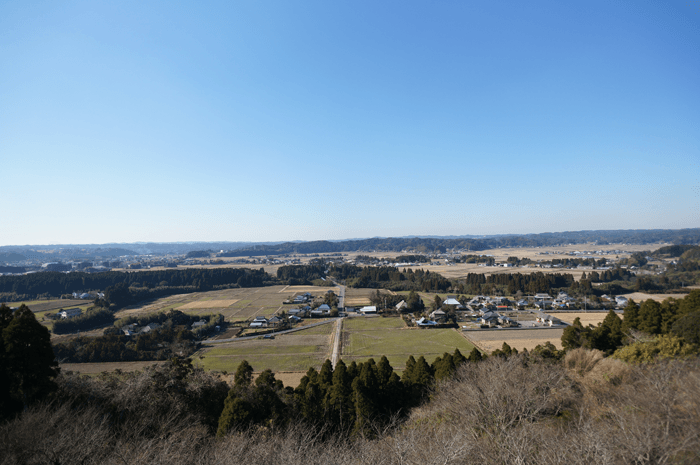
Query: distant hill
[
  {"x": 10, "y": 257},
  {"x": 440, "y": 245},
  {"x": 384, "y": 244}
]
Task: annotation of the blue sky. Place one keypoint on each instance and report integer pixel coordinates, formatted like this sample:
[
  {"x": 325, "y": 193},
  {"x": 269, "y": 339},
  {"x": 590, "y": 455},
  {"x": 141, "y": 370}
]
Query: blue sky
[{"x": 276, "y": 120}]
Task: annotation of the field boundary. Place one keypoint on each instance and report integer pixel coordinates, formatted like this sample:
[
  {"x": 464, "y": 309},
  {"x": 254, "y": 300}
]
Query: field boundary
[{"x": 286, "y": 331}]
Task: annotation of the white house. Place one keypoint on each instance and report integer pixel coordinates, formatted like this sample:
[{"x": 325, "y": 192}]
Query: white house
[
  {"x": 70, "y": 312},
  {"x": 424, "y": 322}
]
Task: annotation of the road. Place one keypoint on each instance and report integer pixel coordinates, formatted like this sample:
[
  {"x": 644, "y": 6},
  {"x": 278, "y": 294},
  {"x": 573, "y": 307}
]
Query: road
[{"x": 337, "y": 342}]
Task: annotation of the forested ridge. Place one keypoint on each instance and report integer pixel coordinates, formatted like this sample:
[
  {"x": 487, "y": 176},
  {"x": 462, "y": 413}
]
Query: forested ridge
[{"x": 441, "y": 245}]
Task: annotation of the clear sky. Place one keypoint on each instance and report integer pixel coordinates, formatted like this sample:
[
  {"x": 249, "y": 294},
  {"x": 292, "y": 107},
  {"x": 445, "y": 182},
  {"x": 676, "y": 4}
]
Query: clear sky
[{"x": 169, "y": 121}]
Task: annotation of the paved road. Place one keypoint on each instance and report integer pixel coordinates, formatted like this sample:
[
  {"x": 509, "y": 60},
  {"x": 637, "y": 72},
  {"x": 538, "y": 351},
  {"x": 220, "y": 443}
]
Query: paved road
[
  {"x": 341, "y": 295},
  {"x": 337, "y": 342}
]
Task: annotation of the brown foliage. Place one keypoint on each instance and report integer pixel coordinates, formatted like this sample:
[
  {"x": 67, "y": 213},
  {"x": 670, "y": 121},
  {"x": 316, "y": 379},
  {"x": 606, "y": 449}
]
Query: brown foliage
[{"x": 500, "y": 411}]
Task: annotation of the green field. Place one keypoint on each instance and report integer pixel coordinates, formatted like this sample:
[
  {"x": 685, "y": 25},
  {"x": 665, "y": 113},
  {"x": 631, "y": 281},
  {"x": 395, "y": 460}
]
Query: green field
[
  {"x": 295, "y": 351},
  {"x": 365, "y": 338},
  {"x": 372, "y": 323}
]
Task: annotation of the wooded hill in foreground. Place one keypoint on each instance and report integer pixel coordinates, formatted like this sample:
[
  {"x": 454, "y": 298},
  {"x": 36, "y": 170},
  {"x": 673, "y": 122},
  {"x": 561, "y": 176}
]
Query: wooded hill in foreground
[
  {"x": 582, "y": 410},
  {"x": 543, "y": 406}
]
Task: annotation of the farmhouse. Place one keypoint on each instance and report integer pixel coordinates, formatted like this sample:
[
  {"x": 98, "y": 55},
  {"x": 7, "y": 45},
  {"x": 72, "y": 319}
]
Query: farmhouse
[
  {"x": 423, "y": 322},
  {"x": 70, "y": 312},
  {"x": 452, "y": 300},
  {"x": 369, "y": 309},
  {"x": 259, "y": 322}
]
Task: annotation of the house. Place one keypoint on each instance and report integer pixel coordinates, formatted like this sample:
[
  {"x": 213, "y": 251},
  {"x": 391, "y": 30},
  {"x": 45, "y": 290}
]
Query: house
[
  {"x": 274, "y": 321},
  {"x": 489, "y": 318},
  {"x": 401, "y": 305},
  {"x": 438, "y": 315},
  {"x": 507, "y": 322},
  {"x": 451, "y": 300},
  {"x": 522, "y": 303},
  {"x": 198, "y": 324},
  {"x": 621, "y": 301},
  {"x": 294, "y": 319},
  {"x": 150, "y": 327},
  {"x": 369, "y": 309},
  {"x": 543, "y": 296},
  {"x": 316, "y": 313},
  {"x": 324, "y": 308},
  {"x": 70, "y": 312},
  {"x": 543, "y": 304},
  {"x": 425, "y": 322}
]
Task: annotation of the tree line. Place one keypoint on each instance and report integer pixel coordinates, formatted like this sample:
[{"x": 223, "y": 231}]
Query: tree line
[
  {"x": 56, "y": 284},
  {"x": 441, "y": 245},
  {"x": 669, "y": 328}
]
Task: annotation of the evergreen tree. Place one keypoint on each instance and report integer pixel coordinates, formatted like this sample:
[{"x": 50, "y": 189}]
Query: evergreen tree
[
  {"x": 325, "y": 376},
  {"x": 444, "y": 366},
  {"x": 650, "y": 317},
  {"x": 574, "y": 336},
  {"x": 475, "y": 355},
  {"x": 341, "y": 397},
  {"x": 608, "y": 336},
  {"x": 631, "y": 316},
  {"x": 244, "y": 375},
  {"x": 237, "y": 413},
  {"x": 504, "y": 351},
  {"x": 27, "y": 362},
  {"x": 458, "y": 358}
]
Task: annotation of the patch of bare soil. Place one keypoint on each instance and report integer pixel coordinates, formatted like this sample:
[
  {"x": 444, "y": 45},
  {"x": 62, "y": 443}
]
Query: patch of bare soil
[{"x": 518, "y": 339}]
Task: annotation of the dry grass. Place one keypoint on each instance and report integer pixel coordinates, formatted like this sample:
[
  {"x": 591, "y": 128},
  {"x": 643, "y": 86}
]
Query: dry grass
[
  {"x": 315, "y": 290},
  {"x": 234, "y": 304},
  {"x": 290, "y": 378},
  {"x": 640, "y": 296},
  {"x": 518, "y": 339},
  {"x": 586, "y": 317},
  {"x": 209, "y": 304}
]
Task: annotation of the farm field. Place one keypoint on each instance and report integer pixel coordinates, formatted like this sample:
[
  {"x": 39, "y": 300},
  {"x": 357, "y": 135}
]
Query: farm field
[
  {"x": 357, "y": 297},
  {"x": 235, "y": 304},
  {"x": 490, "y": 340},
  {"x": 48, "y": 305},
  {"x": 638, "y": 297},
  {"x": 292, "y": 352},
  {"x": 372, "y": 337},
  {"x": 586, "y": 317},
  {"x": 460, "y": 270}
]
